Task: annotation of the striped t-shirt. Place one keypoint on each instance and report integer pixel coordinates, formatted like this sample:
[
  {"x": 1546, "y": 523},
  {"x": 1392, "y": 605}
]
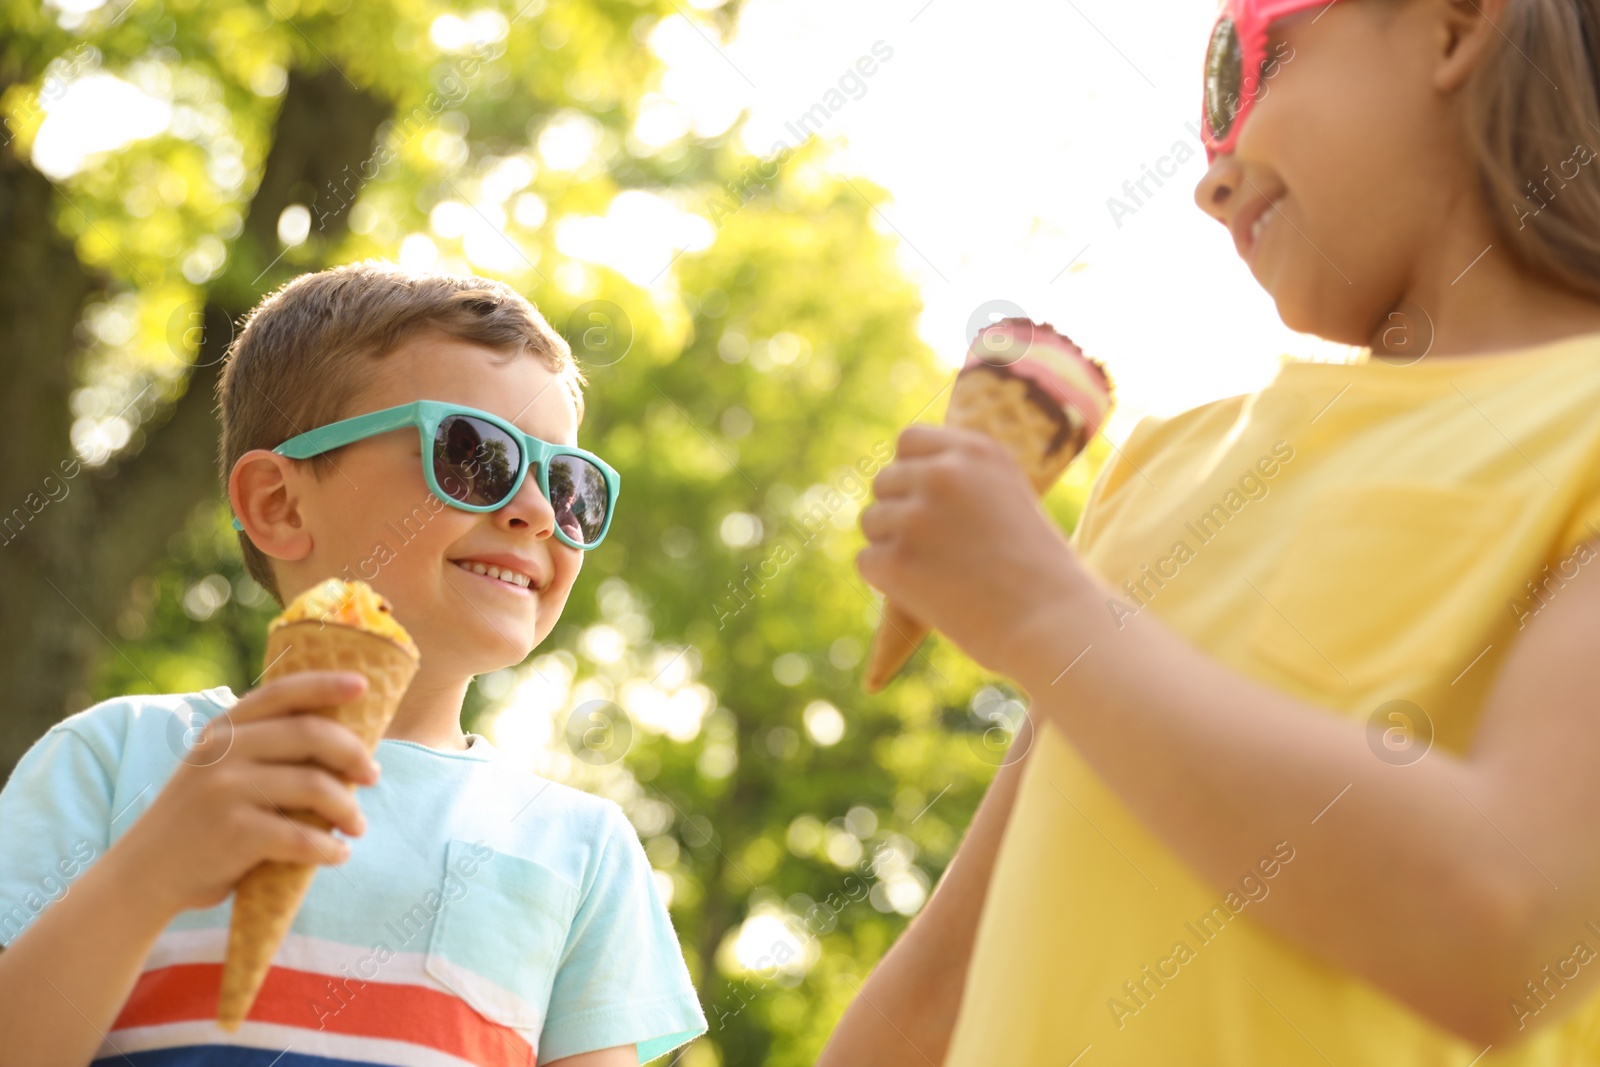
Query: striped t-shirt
[{"x": 487, "y": 916}]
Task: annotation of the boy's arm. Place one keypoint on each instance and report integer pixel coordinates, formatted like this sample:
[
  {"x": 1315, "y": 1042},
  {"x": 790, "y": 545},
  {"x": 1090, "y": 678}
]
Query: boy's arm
[
  {"x": 621, "y": 981},
  {"x": 1393, "y": 863},
  {"x": 64, "y": 979},
  {"x": 66, "y": 976},
  {"x": 620, "y": 1056},
  {"x": 906, "y": 1011}
]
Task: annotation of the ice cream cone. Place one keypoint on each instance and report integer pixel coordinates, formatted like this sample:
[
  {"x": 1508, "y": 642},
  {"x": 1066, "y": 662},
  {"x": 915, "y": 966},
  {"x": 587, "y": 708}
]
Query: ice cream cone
[
  {"x": 1044, "y": 405},
  {"x": 268, "y": 896}
]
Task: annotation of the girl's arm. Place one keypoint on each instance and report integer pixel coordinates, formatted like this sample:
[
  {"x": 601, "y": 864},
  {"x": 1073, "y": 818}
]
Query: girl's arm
[
  {"x": 1435, "y": 881},
  {"x": 905, "y": 1012}
]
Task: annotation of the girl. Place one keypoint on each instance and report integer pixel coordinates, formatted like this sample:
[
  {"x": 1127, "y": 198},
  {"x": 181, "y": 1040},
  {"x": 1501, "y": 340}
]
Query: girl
[{"x": 1313, "y": 780}]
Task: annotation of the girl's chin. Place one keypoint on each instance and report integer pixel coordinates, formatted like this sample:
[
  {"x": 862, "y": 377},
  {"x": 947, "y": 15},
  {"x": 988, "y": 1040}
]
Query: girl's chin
[{"x": 1297, "y": 308}]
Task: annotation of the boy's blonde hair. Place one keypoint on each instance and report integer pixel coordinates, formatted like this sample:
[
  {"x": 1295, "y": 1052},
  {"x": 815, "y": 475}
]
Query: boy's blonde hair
[
  {"x": 1534, "y": 125},
  {"x": 305, "y": 351}
]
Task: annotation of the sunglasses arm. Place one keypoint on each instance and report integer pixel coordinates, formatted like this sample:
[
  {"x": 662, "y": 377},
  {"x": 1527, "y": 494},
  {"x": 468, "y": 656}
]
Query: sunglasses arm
[
  {"x": 347, "y": 431},
  {"x": 337, "y": 434}
]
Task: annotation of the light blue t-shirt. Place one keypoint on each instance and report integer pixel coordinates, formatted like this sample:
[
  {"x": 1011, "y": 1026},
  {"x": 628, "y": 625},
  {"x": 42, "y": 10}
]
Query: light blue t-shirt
[{"x": 486, "y": 916}]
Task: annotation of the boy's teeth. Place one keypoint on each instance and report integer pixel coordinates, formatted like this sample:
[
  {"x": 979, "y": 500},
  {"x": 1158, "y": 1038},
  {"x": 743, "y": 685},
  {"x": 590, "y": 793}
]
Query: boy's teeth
[{"x": 507, "y": 575}]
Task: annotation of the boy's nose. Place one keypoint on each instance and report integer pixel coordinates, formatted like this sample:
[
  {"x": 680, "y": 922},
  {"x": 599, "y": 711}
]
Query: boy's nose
[
  {"x": 528, "y": 508},
  {"x": 1215, "y": 191}
]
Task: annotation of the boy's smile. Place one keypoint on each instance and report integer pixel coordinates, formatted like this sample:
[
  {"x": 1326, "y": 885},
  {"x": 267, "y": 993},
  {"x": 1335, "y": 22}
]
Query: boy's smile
[
  {"x": 505, "y": 569},
  {"x": 477, "y": 590}
]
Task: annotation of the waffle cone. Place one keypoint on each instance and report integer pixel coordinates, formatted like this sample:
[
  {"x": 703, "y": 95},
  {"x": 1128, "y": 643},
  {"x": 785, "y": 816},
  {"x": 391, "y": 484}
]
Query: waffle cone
[
  {"x": 998, "y": 405},
  {"x": 268, "y": 896}
]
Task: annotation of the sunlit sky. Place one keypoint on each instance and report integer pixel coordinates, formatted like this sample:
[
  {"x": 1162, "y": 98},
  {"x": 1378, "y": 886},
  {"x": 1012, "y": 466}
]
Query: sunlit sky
[{"x": 1000, "y": 131}]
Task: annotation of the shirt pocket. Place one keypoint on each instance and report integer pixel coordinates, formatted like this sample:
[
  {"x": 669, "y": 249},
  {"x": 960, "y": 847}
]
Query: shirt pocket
[
  {"x": 1381, "y": 582},
  {"x": 500, "y": 933}
]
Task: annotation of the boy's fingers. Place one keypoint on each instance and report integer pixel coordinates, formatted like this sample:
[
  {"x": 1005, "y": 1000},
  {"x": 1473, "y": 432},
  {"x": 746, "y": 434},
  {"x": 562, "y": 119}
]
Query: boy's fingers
[
  {"x": 281, "y": 789},
  {"x": 288, "y": 841},
  {"x": 298, "y": 738},
  {"x": 301, "y": 691}
]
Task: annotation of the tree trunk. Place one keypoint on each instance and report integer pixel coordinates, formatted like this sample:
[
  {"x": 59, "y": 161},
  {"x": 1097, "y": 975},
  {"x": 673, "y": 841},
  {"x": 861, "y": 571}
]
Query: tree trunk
[{"x": 74, "y": 544}]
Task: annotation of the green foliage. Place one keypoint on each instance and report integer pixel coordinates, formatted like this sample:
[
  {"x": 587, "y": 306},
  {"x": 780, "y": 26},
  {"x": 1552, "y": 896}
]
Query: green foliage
[{"x": 766, "y": 381}]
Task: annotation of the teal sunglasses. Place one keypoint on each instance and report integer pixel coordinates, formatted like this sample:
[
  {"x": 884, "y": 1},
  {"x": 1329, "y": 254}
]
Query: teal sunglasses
[{"x": 479, "y": 461}]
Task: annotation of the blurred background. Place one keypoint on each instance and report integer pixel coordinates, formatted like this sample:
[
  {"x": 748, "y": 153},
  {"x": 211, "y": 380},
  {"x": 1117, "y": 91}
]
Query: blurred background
[{"x": 768, "y": 230}]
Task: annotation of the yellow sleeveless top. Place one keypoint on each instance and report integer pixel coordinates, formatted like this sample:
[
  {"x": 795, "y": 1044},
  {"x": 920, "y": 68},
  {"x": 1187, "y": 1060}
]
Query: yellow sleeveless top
[{"x": 1351, "y": 534}]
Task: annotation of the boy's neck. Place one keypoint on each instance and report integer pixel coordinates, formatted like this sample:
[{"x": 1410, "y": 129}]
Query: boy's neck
[{"x": 430, "y": 714}]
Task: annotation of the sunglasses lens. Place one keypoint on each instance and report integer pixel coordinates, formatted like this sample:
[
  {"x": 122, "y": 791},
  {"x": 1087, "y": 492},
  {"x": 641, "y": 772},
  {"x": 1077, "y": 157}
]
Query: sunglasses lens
[
  {"x": 580, "y": 498},
  {"x": 474, "y": 461},
  {"x": 1224, "y": 67}
]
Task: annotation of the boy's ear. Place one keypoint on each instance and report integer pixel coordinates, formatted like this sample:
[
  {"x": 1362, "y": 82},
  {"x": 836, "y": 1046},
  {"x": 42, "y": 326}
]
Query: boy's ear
[{"x": 260, "y": 491}]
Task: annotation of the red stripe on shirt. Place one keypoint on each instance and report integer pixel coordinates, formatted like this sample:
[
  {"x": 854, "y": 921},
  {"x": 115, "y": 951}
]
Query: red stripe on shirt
[{"x": 389, "y": 1010}]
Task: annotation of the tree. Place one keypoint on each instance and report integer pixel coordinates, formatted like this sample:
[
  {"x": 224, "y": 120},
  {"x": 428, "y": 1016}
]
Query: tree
[
  {"x": 705, "y": 674},
  {"x": 273, "y": 111}
]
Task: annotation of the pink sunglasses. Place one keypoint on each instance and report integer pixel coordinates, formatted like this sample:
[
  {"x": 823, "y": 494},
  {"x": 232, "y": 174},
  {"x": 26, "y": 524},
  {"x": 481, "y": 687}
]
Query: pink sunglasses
[{"x": 1237, "y": 66}]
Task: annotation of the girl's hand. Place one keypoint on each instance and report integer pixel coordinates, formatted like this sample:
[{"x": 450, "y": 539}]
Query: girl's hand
[{"x": 958, "y": 538}]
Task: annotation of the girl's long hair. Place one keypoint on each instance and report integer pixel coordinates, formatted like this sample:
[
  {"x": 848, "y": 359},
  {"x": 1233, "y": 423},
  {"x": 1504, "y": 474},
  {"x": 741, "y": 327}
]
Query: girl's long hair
[{"x": 1534, "y": 125}]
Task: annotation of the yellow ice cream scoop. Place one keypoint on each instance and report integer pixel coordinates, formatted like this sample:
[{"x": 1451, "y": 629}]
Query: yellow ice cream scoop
[
  {"x": 343, "y": 603},
  {"x": 333, "y": 626}
]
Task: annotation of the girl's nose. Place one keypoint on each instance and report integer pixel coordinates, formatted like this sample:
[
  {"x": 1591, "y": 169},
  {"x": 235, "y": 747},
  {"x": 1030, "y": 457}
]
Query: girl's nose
[{"x": 1222, "y": 179}]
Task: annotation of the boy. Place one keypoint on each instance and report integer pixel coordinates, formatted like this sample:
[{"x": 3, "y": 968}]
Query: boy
[{"x": 484, "y": 915}]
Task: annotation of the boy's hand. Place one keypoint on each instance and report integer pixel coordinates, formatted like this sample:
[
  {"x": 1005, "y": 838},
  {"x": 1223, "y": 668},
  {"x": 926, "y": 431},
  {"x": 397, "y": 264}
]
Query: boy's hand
[
  {"x": 958, "y": 538},
  {"x": 214, "y": 820}
]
